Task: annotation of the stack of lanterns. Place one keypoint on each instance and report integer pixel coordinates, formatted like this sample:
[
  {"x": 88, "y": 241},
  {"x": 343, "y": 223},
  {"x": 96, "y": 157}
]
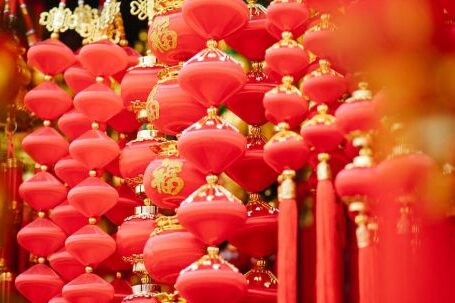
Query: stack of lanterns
[
  {"x": 172, "y": 212},
  {"x": 43, "y": 191},
  {"x": 94, "y": 149}
]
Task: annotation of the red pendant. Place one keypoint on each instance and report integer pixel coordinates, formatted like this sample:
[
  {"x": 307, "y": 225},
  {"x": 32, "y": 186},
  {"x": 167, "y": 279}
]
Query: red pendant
[
  {"x": 171, "y": 39},
  {"x": 41, "y": 237},
  {"x": 171, "y": 108},
  {"x": 43, "y": 191},
  {"x": 200, "y": 144},
  {"x": 92, "y": 189},
  {"x": 74, "y": 124},
  {"x": 212, "y": 76},
  {"x": 48, "y": 101},
  {"x": 66, "y": 265},
  {"x": 126, "y": 203},
  {"x": 98, "y": 102},
  {"x": 215, "y": 19},
  {"x": 39, "y": 284},
  {"x": 94, "y": 149},
  {"x": 253, "y": 40},
  {"x": 50, "y": 56},
  {"x": 68, "y": 218},
  {"x": 258, "y": 237},
  {"x": 88, "y": 288},
  {"x": 103, "y": 58},
  {"x": 90, "y": 245},
  {"x": 45, "y": 145},
  {"x": 288, "y": 16},
  {"x": 70, "y": 171},
  {"x": 169, "y": 251},
  {"x": 212, "y": 213},
  {"x": 78, "y": 78},
  {"x": 169, "y": 179},
  {"x": 211, "y": 279}
]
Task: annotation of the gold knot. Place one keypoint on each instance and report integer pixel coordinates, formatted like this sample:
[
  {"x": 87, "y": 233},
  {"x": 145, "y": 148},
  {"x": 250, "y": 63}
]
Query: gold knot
[
  {"x": 92, "y": 221},
  {"x": 213, "y": 251},
  {"x": 212, "y": 179},
  {"x": 212, "y": 44}
]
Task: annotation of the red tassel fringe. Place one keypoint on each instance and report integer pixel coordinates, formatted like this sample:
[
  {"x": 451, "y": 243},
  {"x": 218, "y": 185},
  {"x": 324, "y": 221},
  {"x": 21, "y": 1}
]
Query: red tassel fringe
[
  {"x": 329, "y": 245},
  {"x": 287, "y": 252}
]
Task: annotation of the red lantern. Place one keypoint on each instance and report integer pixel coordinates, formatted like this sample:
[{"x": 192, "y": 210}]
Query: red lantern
[
  {"x": 171, "y": 108},
  {"x": 124, "y": 122},
  {"x": 247, "y": 103},
  {"x": 200, "y": 16},
  {"x": 66, "y": 265},
  {"x": 289, "y": 144},
  {"x": 51, "y": 56},
  {"x": 94, "y": 149},
  {"x": 251, "y": 172},
  {"x": 41, "y": 237},
  {"x": 262, "y": 285},
  {"x": 103, "y": 58},
  {"x": 115, "y": 263},
  {"x": 71, "y": 171},
  {"x": 402, "y": 174},
  {"x": 200, "y": 144},
  {"x": 48, "y": 101},
  {"x": 138, "y": 153},
  {"x": 253, "y": 40},
  {"x": 318, "y": 39},
  {"x": 73, "y": 124},
  {"x": 42, "y": 191},
  {"x": 321, "y": 132},
  {"x": 212, "y": 76},
  {"x": 287, "y": 57},
  {"x": 126, "y": 203},
  {"x": 169, "y": 179},
  {"x": 68, "y": 218},
  {"x": 133, "y": 59},
  {"x": 138, "y": 81},
  {"x": 170, "y": 38},
  {"x": 258, "y": 237},
  {"x": 121, "y": 288},
  {"x": 45, "y": 145},
  {"x": 39, "y": 283},
  {"x": 92, "y": 189},
  {"x": 358, "y": 113},
  {"x": 212, "y": 213},
  {"x": 324, "y": 85},
  {"x": 169, "y": 250},
  {"x": 90, "y": 245},
  {"x": 98, "y": 102},
  {"x": 287, "y": 16},
  {"x": 135, "y": 231},
  {"x": 78, "y": 78},
  {"x": 211, "y": 279},
  {"x": 285, "y": 104},
  {"x": 88, "y": 288}
]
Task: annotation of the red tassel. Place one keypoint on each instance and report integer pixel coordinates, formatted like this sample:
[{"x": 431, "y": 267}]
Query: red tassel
[
  {"x": 287, "y": 239},
  {"x": 329, "y": 237},
  {"x": 367, "y": 275},
  {"x": 287, "y": 252},
  {"x": 367, "y": 258}
]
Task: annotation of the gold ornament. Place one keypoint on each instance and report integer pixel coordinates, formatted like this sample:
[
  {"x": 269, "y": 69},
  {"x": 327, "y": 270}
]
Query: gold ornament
[
  {"x": 57, "y": 20},
  {"x": 166, "y": 179},
  {"x": 152, "y": 106},
  {"x": 161, "y": 37},
  {"x": 82, "y": 19}
]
